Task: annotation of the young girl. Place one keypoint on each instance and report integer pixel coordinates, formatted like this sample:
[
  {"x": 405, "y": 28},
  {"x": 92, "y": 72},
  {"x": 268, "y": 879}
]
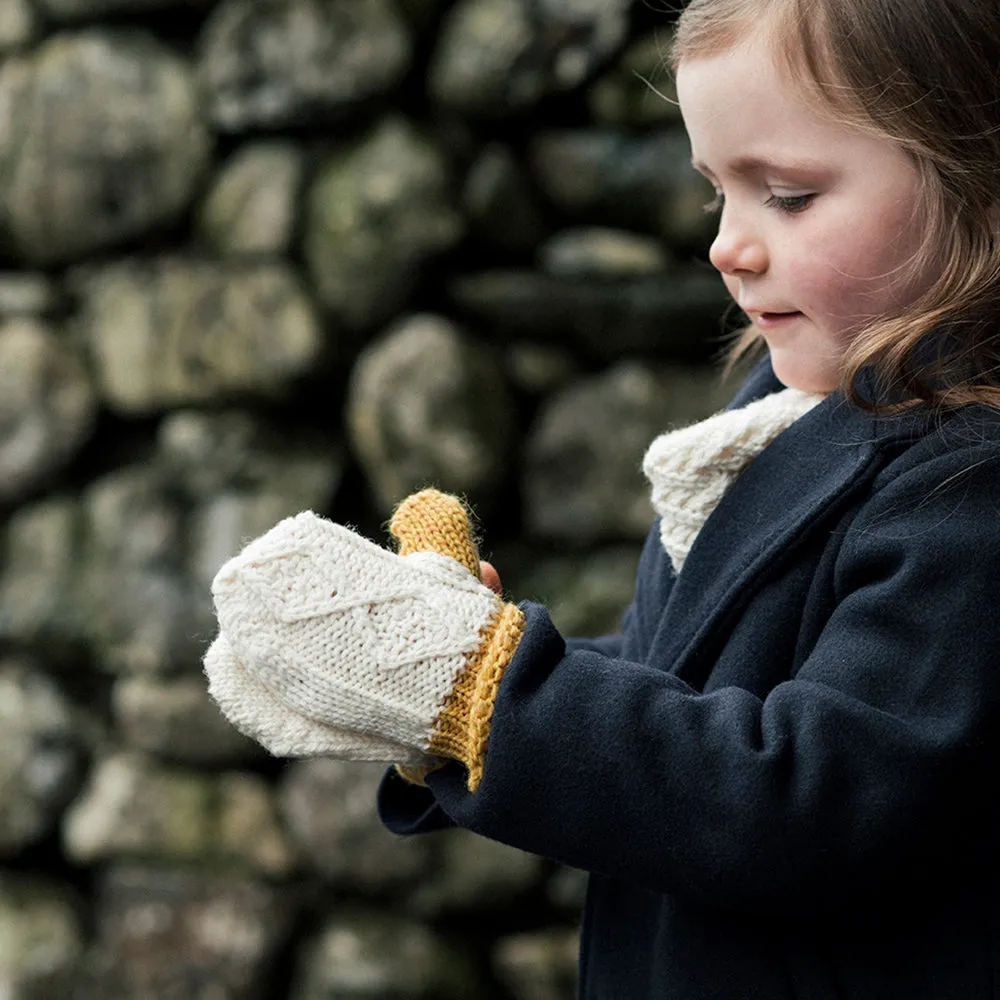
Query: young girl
[{"x": 783, "y": 774}]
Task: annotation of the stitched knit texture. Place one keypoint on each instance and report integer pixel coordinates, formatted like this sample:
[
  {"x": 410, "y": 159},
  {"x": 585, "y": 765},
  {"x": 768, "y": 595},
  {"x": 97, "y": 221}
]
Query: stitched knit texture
[
  {"x": 349, "y": 633},
  {"x": 462, "y": 730},
  {"x": 438, "y": 522},
  {"x": 329, "y": 644},
  {"x": 259, "y": 713},
  {"x": 432, "y": 521},
  {"x": 690, "y": 469}
]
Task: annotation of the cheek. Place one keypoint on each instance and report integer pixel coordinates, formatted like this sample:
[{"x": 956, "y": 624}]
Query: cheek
[
  {"x": 874, "y": 260},
  {"x": 864, "y": 269}
]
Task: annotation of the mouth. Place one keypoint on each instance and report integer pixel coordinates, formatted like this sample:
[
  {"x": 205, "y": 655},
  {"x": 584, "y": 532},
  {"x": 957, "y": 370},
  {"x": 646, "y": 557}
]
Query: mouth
[{"x": 769, "y": 320}]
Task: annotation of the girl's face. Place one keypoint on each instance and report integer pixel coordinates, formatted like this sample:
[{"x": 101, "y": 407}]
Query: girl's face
[{"x": 818, "y": 219}]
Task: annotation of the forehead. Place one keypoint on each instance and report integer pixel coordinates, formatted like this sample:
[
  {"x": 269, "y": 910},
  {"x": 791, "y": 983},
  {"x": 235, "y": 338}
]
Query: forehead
[
  {"x": 750, "y": 123},
  {"x": 744, "y": 105}
]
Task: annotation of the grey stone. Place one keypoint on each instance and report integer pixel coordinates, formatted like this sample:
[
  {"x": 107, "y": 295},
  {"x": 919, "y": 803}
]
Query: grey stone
[
  {"x": 249, "y": 828},
  {"x": 586, "y": 593},
  {"x": 222, "y": 525},
  {"x": 273, "y": 63},
  {"x": 212, "y": 453},
  {"x": 127, "y": 569},
  {"x": 136, "y": 604},
  {"x": 181, "y": 935},
  {"x": 376, "y": 213},
  {"x": 175, "y": 720},
  {"x": 252, "y": 205},
  {"x": 80, "y": 10},
  {"x": 116, "y": 568},
  {"x": 369, "y": 956},
  {"x": 18, "y": 24},
  {"x": 539, "y": 368},
  {"x": 582, "y": 479},
  {"x": 38, "y": 756},
  {"x": 132, "y": 807},
  {"x": 638, "y": 91},
  {"x": 476, "y": 875},
  {"x": 496, "y": 57},
  {"x": 499, "y": 201},
  {"x": 611, "y": 177},
  {"x": 38, "y": 594},
  {"x": 40, "y": 939},
  {"x": 23, "y": 293},
  {"x": 676, "y": 315},
  {"x": 101, "y": 140},
  {"x": 567, "y": 889},
  {"x": 241, "y": 477},
  {"x": 47, "y": 405},
  {"x": 478, "y": 47},
  {"x": 170, "y": 332},
  {"x": 328, "y": 807},
  {"x": 428, "y": 405},
  {"x": 538, "y": 966},
  {"x": 601, "y": 253}
]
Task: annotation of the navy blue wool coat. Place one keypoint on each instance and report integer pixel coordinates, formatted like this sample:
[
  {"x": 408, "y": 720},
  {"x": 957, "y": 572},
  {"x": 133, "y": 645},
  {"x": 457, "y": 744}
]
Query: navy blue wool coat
[{"x": 783, "y": 774}]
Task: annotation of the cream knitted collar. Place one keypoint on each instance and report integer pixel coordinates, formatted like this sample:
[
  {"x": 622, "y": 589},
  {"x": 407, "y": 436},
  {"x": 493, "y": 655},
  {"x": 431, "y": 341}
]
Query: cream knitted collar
[{"x": 691, "y": 468}]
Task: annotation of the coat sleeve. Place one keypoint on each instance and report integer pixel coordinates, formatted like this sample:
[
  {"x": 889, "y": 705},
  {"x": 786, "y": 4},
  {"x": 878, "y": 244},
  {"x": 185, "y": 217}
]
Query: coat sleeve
[
  {"x": 408, "y": 809},
  {"x": 607, "y": 645},
  {"x": 873, "y": 763}
]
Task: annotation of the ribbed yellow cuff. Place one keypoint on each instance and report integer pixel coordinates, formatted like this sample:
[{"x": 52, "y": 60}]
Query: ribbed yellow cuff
[{"x": 462, "y": 730}]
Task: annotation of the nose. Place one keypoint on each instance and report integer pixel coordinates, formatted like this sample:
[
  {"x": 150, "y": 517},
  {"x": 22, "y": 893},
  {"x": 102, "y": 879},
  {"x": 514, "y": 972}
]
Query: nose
[{"x": 736, "y": 249}]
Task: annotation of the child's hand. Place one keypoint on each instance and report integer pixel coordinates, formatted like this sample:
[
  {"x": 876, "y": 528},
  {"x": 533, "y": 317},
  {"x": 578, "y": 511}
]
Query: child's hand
[
  {"x": 490, "y": 576},
  {"x": 345, "y": 649}
]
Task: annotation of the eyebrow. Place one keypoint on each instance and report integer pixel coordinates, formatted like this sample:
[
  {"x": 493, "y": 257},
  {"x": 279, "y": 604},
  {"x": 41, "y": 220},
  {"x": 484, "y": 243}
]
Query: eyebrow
[{"x": 744, "y": 165}]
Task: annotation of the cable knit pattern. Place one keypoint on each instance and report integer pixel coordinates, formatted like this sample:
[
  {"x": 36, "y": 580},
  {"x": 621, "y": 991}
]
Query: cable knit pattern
[
  {"x": 348, "y": 631},
  {"x": 690, "y": 469},
  {"x": 259, "y": 713},
  {"x": 330, "y": 644}
]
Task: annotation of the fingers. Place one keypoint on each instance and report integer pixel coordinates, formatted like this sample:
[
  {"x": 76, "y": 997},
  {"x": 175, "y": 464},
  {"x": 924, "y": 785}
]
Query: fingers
[
  {"x": 490, "y": 576},
  {"x": 432, "y": 521}
]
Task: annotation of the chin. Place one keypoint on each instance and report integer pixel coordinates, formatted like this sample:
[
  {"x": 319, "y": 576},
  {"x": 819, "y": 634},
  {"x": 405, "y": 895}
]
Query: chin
[{"x": 794, "y": 373}]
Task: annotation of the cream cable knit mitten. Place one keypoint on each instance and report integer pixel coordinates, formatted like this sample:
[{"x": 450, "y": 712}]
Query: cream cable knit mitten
[
  {"x": 690, "y": 469},
  {"x": 328, "y": 640},
  {"x": 258, "y": 713}
]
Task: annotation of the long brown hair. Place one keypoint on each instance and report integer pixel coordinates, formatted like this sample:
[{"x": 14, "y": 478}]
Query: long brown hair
[{"x": 924, "y": 74}]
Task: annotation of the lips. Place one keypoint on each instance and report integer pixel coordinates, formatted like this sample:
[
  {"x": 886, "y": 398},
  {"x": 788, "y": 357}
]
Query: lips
[
  {"x": 775, "y": 313},
  {"x": 772, "y": 320}
]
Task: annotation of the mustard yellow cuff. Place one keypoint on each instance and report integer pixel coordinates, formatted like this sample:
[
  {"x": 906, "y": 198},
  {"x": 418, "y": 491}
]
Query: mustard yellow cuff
[{"x": 462, "y": 729}]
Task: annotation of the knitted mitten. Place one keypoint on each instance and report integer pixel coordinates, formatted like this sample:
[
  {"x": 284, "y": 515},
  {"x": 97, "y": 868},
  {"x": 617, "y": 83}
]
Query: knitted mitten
[
  {"x": 258, "y": 713},
  {"x": 404, "y": 650}
]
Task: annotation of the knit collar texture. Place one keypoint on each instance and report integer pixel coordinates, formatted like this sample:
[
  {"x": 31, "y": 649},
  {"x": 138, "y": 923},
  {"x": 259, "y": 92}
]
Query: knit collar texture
[{"x": 690, "y": 469}]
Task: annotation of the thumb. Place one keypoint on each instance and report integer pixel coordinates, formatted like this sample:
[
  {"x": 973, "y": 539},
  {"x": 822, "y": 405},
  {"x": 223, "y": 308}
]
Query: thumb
[
  {"x": 432, "y": 521},
  {"x": 490, "y": 576}
]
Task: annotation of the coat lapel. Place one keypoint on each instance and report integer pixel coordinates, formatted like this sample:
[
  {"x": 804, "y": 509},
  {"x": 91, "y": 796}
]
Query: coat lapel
[{"x": 812, "y": 467}]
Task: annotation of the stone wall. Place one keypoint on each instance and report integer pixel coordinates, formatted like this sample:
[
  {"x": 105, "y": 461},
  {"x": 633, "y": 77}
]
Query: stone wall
[{"x": 264, "y": 255}]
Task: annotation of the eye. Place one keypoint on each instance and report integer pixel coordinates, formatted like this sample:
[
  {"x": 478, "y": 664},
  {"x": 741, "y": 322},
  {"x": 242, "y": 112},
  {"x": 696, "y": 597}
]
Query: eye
[
  {"x": 715, "y": 205},
  {"x": 791, "y": 205}
]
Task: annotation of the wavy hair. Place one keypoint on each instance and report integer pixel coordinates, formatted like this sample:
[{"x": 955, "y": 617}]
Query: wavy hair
[{"x": 924, "y": 74}]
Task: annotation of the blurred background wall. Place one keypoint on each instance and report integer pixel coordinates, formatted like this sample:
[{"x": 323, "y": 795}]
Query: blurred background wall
[{"x": 264, "y": 255}]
